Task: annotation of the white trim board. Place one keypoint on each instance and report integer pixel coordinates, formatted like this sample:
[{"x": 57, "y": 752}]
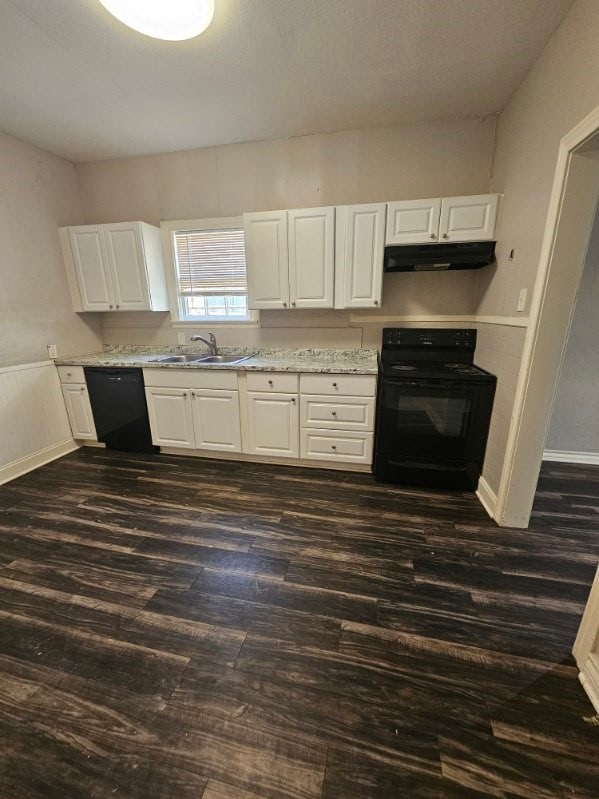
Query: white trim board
[
  {"x": 569, "y": 456},
  {"x": 19, "y": 367},
  {"x": 436, "y": 319},
  {"x": 30, "y": 462},
  {"x": 486, "y": 497}
]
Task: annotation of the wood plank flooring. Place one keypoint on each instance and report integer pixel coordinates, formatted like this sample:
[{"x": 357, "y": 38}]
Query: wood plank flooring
[{"x": 175, "y": 627}]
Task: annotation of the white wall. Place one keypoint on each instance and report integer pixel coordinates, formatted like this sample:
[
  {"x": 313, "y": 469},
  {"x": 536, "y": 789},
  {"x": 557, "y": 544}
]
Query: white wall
[
  {"x": 352, "y": 166},
  {"x": 575, "y": 420},
  {"x": 38, "y": 192},
  {"x": 561, "y": 89}
]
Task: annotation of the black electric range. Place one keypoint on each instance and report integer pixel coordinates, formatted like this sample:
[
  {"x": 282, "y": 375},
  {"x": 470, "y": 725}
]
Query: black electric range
[{"x": 433, "y": 409}]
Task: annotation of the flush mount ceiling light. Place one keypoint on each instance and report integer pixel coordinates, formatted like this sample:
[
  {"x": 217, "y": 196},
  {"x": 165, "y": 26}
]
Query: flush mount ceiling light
[{"x": 174, "y": 20}]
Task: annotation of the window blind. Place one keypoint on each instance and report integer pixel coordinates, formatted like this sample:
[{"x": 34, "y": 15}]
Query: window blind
[{"x": 210, "y": 261}]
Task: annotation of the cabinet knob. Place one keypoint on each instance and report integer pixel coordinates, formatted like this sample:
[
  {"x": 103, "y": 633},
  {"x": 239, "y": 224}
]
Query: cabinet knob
[
  {"x": 334, "y": 446},
  {"x": 193, "y": 393},
  {"x": 334, "y": 413},
  {"x": 284, "y": 305},
  {"x": 293, "y": 399},
  {"x": 82, "y": 388},
  {"x": 334, "y": 385},
  {"x": 376, "y": 302},
  {"x": 69, "y": 374},
  {"x": 185, "y": 393},
  {"x": 110, "y": 306},
  {"x": 117, "y": 306},
  {"x": 445, "y": 236},
  {"x": 433, "y": 236},
  {"x": 293, "y": 304},
  {"x": 270, "y": 382}
]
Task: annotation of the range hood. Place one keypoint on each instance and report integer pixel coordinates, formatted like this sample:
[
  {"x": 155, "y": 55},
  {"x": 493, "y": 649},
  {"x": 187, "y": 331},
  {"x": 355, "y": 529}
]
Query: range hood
[{"x": 439, "y": 257}]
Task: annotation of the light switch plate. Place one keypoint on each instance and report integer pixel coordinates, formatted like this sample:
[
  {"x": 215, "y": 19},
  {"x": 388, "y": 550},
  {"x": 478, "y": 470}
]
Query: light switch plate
[
  {"x": 52, "y": 350},
  {"x": 522, "y": 300}
]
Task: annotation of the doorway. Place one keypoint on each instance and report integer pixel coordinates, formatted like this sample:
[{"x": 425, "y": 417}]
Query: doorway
[{"x": 569, "y": 223}]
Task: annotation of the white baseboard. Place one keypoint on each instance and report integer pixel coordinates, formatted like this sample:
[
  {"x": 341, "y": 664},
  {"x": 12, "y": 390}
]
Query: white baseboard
[
  {"x": 487, "y": 497},
  {"x": 589, "y": 678},
  {"x": 567, "y": 456},
  {"x": 30, "y": 462}
]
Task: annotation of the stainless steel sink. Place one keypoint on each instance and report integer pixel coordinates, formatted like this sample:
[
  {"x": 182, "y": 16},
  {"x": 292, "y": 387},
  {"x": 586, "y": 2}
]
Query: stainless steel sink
[
  {"x": 178, "y": 358},
  {"x": 195, "y": 358},
  {"x": 230, "y": 359}
]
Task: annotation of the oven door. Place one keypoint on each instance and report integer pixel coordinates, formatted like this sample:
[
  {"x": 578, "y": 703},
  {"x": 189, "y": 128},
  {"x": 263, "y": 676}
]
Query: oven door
[{"x": 428, "y": 420}]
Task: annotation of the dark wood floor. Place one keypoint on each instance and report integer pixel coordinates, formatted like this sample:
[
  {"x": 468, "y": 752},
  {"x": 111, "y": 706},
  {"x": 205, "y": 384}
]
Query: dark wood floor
[{"x": 174, "y": 628}]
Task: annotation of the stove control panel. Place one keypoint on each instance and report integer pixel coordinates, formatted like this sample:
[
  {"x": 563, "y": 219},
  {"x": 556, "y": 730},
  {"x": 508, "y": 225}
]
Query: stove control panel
[{"x": 415, "y": 337}]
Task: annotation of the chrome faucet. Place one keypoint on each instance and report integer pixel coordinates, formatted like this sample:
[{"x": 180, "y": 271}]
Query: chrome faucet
[{"x": 210, "y": 341}]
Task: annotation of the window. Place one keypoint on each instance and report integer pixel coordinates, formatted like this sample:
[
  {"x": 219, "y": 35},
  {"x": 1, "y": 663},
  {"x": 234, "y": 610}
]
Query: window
[{"x": 210, "y": 270}]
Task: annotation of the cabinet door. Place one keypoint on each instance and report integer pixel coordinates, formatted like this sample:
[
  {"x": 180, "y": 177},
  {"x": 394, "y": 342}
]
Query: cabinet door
[
  {"x": 469, "y": 218},
  {"x": 79, "y": 411},
  {"x": 170, "y": 413},
  {"x": 216, "y": 420},
  {"x": 273, "y": 427},
  {"x": 267, "y": 259},
  {"x": 311, "y": 234},
  {"x": 125, "y": 251},
  {"x": 91, "y": 266},
  {"x": 413, "y": 222},
  {"x": 359, "y": 244}
]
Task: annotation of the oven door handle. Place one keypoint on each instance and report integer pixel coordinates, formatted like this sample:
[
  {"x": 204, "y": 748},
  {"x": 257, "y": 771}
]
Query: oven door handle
[{"x": 421, "y": 383}]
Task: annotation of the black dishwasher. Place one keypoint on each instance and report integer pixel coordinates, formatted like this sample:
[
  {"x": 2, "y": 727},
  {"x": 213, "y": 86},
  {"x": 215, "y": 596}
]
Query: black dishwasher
[{"x": 119, "y": 407}]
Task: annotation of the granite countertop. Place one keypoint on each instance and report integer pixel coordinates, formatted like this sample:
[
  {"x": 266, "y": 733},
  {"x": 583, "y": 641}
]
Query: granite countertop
[{"x": 363, "y": 362}]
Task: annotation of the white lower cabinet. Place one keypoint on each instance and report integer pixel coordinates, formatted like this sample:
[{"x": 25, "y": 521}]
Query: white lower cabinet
[
  {"x": 342, "y": 446},
  {"x": 79, "y": 410},
  {"x": 170, "y": 414},
  {"x": 337, "y": 417},
  {"x": 273, "y": 424},
  {"x": 195, "y": 410}
]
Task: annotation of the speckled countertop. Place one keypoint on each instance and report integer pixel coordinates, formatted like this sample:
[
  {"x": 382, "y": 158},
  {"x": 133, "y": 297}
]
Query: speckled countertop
[{"x": 363, "y": 362}]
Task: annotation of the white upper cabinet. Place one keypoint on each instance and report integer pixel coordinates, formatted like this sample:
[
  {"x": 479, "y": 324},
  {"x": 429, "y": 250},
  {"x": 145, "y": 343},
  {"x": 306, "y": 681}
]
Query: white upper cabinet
[
  {"x": 413, "y": 222},
  {"x": 125, "y": 250},
  {"x": 290, "y": 257},
  {"x": 311, "y": 242},
  {"x": 116, "y": 267},
  {"x": 468, "y": 218},
  {"x": 88, "y": 252},
  {"x": 447, "y": 219},
  {"x": 267, "y": 259},
  {"x": 359, "y": 243}
]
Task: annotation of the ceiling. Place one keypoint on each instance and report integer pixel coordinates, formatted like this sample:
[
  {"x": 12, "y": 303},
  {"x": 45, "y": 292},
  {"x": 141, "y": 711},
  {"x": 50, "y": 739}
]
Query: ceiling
[{"x": 76, "y": 82}]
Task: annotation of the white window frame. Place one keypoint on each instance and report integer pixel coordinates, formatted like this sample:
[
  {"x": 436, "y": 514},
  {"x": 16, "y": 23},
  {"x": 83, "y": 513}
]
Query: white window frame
[{"x": 168, "y": 229}]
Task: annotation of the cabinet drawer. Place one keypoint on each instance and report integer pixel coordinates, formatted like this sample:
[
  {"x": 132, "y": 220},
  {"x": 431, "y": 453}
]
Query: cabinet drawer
[
  {"x": 71, "y": 374},
  {"x": 348, "y": 413},
  {"x": 280, "y": 382},
  {"x": 341, "y": 385},
  {"x": 191, "y": 378},
  {"x": 332, "y": 445}
]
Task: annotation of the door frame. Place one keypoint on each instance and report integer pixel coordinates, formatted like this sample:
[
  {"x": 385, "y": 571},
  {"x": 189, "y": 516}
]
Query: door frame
[
  {"x": 541, "y": 364},
  {"x": 587, "y": 644}
]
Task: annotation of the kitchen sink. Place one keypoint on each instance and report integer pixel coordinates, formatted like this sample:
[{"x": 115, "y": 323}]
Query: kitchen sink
[
  {"x": 223, "y": 359},
  {"x": 195, "y": 358},
  {"x": 178, "y": 358}
]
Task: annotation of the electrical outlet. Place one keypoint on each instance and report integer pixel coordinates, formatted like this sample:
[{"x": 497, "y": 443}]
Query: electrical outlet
[
  {"x": 181, "y": 338},
  {"x": 52, "y": 350},
  {"x": 521, "y": 305}
]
